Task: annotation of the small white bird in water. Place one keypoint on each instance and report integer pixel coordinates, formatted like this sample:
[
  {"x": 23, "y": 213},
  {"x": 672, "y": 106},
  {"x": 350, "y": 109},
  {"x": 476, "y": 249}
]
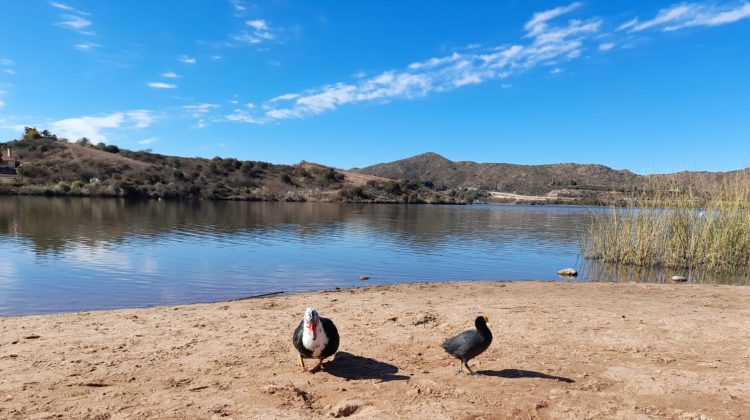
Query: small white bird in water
[{"x": 315, "y": 338}]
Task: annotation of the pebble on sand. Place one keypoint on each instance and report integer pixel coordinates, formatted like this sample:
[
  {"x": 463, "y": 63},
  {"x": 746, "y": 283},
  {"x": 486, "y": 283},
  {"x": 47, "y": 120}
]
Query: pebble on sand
[
  {"x": 568, "y": 272},
  {"x": 679, "y": 279}
]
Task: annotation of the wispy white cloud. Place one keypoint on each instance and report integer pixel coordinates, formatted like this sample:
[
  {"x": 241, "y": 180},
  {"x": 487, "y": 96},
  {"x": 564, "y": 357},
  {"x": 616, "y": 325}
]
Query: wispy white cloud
[
  {"x": 67, "y": 8},
  {"x": 161, "y": 85},
  {"x": 259, "y": 32},
  {"x": 548, "y": 44},
  {"x": 94, "y": 127},
  {"x": 7, "y": 65},
  {"x": 238, "y": 6},
  {"x": 170, "y": 75},
  {"x": 433, "y": 62},
  {"x": 75, "y": 20},
  {"x": 147, "y": 141},
  {"x": 75, "y": 23},
  {"x": 142, "y": 118},
  {"x": 86, "y": 46},
  {"x": 284, "y": 97},
  {"x": 606, "y": 46},
  {"x": 2, "y": 104},
  {"x": 685, "y": 15},
  {"x": 203, "y": 113},
  {"x": 242, "y": 116},
  {"x": 258, "y": 24},
  {"x": 187, "y": 59},
  {"x": 199, "y": 110},
  {"x": 556, "y": 70},
  {"x": 627, "y": 25},
  {"x": 538, "y": 23}
]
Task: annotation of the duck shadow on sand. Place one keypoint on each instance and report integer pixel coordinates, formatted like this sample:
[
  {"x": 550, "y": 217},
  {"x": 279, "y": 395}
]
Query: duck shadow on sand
[
  {"x": 353, "y": 367},
  {"x": 519, "y": 373}
]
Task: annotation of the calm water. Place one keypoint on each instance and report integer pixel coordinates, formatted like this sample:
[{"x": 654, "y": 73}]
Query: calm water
[{"x": 79, "y": 254}]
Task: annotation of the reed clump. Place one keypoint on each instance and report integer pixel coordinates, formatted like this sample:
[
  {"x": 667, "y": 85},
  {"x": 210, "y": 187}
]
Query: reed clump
[{"x": 669, "y": 227}]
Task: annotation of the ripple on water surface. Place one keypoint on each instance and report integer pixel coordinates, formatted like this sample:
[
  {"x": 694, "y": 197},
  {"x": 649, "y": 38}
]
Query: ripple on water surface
[{"x": 81, "y": 254}]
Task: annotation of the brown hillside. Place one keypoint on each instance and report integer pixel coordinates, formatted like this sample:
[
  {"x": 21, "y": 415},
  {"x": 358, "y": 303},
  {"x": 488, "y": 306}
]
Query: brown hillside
[
  {"x": 53, "y": 167},
  {"x": 434, "y": 169}
]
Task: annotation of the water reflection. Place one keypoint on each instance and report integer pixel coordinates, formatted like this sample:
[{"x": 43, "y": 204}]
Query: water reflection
[
  {"x": 599, "y": 271},
  {"x": 64, "y": 254}
]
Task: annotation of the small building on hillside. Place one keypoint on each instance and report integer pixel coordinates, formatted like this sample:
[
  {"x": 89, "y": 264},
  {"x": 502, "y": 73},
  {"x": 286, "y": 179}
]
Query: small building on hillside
[{"x": 8, "y": 163}]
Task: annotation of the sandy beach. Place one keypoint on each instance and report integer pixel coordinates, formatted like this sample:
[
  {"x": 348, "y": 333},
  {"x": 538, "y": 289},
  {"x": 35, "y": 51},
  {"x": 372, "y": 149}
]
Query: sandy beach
[{"x": 561, "y": 350}]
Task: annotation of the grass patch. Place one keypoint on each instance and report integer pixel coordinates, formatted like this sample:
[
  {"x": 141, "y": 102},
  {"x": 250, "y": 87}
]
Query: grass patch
[{"x": 676, "y": 229}]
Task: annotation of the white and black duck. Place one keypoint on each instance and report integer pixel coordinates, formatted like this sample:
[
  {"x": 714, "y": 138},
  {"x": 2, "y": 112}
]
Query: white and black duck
[{"x": 315, "y": 338}]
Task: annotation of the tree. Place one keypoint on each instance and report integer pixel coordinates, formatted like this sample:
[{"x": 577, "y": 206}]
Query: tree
[
  {"x": 30, "y": 133},
  {"x": 111, "y": 148},
  {"x": 83, "y": 141}
]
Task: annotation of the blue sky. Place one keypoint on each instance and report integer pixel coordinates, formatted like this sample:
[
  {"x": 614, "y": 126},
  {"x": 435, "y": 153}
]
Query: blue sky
[{"x": 643, "y": 85}]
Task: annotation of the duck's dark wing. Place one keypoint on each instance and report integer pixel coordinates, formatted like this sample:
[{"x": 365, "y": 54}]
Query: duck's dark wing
[
  {"x": 467, "y": 345},
  {"x": 297, "y": 340},
  {"x": 333, "y": 338}
]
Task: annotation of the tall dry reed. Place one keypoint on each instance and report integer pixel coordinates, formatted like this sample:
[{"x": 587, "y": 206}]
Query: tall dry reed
[{"x": 681, "y": 229}]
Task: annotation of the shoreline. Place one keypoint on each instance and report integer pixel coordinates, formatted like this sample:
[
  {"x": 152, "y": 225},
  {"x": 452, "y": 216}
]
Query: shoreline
[
  {"x": 561, "y": 350},
  {"x": 498, "y": 199},
  {"x": 363, "y": 286}
]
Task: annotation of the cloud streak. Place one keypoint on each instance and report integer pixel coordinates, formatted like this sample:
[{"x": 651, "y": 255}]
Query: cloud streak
[
  {"x": 161, "y": 85},
  {"x": 7, "y": 66},
  {"x": 67, "y": 8},
  {"x": 77, "y": 21},
  {"x": 546, "y": 44},
  {"x": 187, "y": 59},
  {"x": 260, "y": 31},
  {"x": 687, "y": 15},
  {"x": 548, "y": 40},
  {"x": 74, "y": 22},
  {"x": 94, "y": 127},
  {"x": 86, "y": 46}
]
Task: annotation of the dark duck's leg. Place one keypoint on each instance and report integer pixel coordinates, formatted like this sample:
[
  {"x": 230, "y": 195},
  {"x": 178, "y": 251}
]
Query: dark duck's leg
[
  {"x": 317, "y": 367},
  {"x": 471, "y": 372}
]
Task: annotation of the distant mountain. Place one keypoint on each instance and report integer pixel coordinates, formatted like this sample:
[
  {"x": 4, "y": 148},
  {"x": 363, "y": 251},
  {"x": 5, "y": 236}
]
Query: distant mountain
[
  {"x": 434, "y": 169},
  {"x": 49, "y": 166},
  {"x": 560, "y": 182},
  {"x": 55, "y": 167}
]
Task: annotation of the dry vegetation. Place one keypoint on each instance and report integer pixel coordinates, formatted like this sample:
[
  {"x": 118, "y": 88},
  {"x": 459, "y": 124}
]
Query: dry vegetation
[
  {"x": 562, "y": 183},
  {"x": 55, "y": 167},
  {"x": 584, "y": 183},
  {"x": 679, "y": 229}
]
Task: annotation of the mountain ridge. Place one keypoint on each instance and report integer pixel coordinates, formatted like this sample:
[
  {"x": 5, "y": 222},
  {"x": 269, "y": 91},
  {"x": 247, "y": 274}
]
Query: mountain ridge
[{"x": 553, "y": 180}]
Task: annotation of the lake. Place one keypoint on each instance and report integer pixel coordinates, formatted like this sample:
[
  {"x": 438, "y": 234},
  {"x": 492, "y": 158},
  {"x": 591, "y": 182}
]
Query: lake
[{"x": 69, "y": 254}]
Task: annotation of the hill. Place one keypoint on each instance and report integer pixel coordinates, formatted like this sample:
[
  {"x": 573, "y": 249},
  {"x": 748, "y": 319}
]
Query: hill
[
  {"x": 533, "y": 180},
  {"x": 53, "y": 167},
  {"x": 562, "y": 182}
]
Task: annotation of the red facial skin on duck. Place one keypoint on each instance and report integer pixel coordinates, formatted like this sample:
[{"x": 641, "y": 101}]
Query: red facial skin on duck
[{"x": 312, "y": 327}]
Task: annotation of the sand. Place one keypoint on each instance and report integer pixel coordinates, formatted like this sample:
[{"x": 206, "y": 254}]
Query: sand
[{"x": 561, "y": 351}]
